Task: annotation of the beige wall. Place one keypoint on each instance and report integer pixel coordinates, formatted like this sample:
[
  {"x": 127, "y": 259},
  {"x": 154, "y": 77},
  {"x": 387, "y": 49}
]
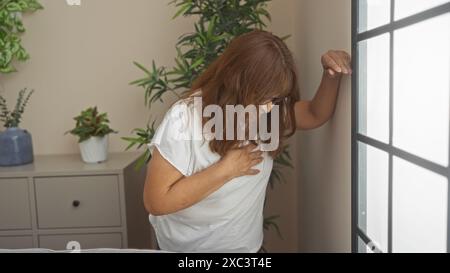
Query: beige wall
[
  {"x": 82, "y": 56},
  {"x": 325, "y": 170},
  {"x": 283, "y": 200}
]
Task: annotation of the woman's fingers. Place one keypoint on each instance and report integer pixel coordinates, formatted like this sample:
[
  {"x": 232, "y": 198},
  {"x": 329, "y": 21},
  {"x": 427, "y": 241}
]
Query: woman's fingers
[
  {"x": 252, "y": 172},
  {"x": 347, "y": 57},
  {"x": 255, "y": 158},
  {"x": 240, "y": 161},
  {"x": 249, "y": 148},
  {"x": 347, "y": 60},
  {"x": 340, "y": 61},
  {"x": 255, "y": 154},
  {"x": 256, "y": 161},
  {"x": 252, "y": 151},
  {"x": 244, "y": 159},
  {"x": 337, "y": 62},
  {"x": 331, "y": 63}
]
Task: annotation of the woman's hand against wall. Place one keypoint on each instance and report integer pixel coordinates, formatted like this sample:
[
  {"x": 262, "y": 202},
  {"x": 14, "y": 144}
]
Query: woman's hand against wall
[
  {"x": 240, "y": 162},
  {"x": 336, "y": 63},
  {"x": 313, "y": 114}
]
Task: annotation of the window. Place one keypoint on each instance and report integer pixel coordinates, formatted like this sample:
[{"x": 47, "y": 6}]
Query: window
[{"x": 400, "y": 126}]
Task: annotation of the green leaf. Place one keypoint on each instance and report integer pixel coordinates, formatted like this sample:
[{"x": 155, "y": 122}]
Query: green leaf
[
  {"x": 142, "y": 160},
  {"x": 197, "y": 63},
  {"x": 13, "y": 7},
  {"x": 284, "y": 38},
  {"x": 142, "y": 68},
  {"x": 143, "y": 80},
  {"x": 212, "y": 25},
  {"x": 183, "y": 8},
  {"x": 11, "y": 28},
  {"x": 8, "y": 69}
]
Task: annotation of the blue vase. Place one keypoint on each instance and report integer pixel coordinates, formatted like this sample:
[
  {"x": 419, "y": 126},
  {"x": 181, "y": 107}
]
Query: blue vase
[{"x": 16, "y": 147}]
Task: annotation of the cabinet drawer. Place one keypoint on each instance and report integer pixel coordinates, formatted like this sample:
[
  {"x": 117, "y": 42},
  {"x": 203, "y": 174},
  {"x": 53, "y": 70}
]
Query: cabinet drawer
[
  {"x": 87, "y": 241},
  {"x": 78, "y": 201},
  {"x": 16, "y": 242},
  {"x": 14, "y": 204}
]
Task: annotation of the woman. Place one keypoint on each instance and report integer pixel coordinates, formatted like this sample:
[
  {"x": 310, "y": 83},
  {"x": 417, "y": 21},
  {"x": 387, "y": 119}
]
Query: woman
[{"x": 207, "y": 195}]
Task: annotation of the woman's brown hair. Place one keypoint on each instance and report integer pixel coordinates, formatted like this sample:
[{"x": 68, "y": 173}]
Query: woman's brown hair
[{"x": 256, "y": 68}]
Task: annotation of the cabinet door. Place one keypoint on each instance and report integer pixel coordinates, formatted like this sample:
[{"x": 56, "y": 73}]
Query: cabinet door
[
  {"x": 16, "y": 242},
  {"x": 14, "y": 204},
  {"x": 78, "y": 201}
]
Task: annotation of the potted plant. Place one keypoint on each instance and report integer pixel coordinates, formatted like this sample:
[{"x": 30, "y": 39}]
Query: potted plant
[
  {"x": 16, "y": 147},
  {"x": 93, "y": 130}
]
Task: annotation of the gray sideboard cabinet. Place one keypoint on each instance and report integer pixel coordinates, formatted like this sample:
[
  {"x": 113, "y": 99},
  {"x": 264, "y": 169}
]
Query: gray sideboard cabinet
[{"x": 58, "y": 199}]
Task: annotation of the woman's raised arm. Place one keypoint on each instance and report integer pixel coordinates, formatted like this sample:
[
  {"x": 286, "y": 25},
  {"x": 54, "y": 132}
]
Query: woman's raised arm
[{"x": 316, "y": 112}]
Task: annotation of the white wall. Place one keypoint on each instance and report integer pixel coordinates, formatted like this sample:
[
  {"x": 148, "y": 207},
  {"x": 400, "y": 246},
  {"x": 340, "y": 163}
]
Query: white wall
[{"x": 325, "y": 154}]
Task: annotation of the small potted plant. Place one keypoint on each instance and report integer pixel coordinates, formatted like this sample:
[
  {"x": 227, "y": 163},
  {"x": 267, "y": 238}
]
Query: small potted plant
[
  {"x": 93, "y": 130},
  {"x": 16, "y": 146}
]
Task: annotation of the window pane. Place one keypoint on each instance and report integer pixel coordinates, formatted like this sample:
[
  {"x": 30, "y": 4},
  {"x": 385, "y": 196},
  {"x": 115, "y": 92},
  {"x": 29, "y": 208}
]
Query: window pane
[
  {"x": 373, "y": 14},
  {"x": 362, "y": 247},
  {"x": 421, "y": 89},
  {"x": 374, "y": 88},
  {"x": 419, "y": 209},
  {"x": 405, "y": 8},
  {"x": 373, "y": 194}
]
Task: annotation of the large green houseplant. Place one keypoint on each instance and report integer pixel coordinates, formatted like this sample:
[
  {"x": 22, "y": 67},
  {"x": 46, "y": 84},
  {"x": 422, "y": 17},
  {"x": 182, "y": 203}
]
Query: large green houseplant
[
  {"x": 219, "y": 21},
  {"x": 11, "y": 28}
]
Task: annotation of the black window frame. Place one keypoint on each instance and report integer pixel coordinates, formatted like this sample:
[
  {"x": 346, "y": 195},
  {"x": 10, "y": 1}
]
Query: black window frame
[{"x": 357, "y": 233}]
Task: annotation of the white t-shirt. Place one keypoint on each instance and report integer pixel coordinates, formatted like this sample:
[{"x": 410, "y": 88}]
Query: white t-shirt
[{"x": 228, "y": 220}]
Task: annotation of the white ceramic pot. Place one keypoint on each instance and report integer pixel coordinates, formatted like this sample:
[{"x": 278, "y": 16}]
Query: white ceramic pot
[{"x": 95, "y": 149}]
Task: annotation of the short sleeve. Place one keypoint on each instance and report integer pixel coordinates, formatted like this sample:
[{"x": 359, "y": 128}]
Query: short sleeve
[{"x": 173, "y": 138}]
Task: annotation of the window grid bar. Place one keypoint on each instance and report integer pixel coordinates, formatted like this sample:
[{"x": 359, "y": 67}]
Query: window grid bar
[
  {"x": 448, "y": 188},
  {"x": 391, "y": 128},
  {"x": 354, "y": 147},
  {"x": 395, "y": 25},
  {"x": 365, "y": 238},
  {"x": 426, "y": 164}
]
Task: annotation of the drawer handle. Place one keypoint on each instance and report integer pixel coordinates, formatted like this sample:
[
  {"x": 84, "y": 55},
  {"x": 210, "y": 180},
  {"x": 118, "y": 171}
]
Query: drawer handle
[{"x": 76, "y": 203}]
